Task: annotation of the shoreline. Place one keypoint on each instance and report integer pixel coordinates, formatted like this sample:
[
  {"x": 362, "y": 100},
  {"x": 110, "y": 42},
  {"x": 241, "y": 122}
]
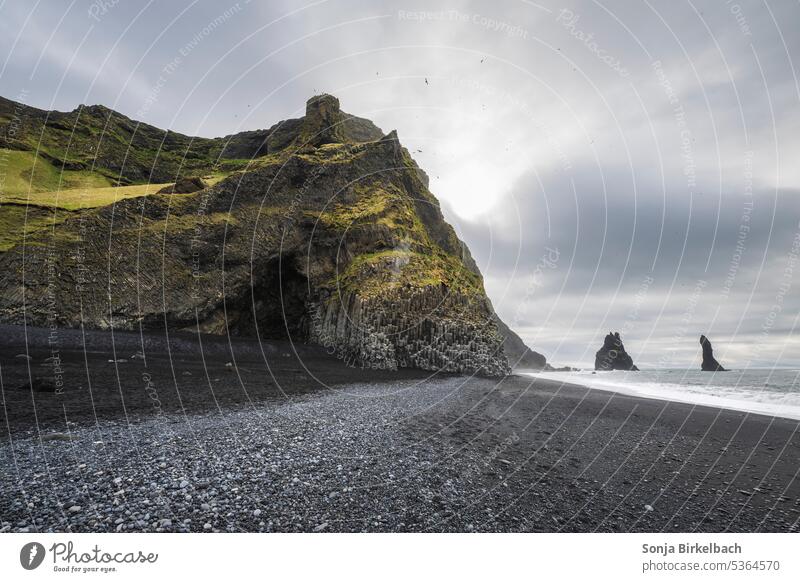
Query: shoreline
[{"x": 707, "y": 400}]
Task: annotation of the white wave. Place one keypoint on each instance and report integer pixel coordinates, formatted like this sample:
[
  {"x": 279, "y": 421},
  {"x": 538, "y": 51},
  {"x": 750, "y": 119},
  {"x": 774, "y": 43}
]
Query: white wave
[{"x": 764, "y": 391}]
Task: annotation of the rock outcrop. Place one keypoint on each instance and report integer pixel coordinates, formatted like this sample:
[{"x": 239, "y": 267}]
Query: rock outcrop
[
  {"x": 710, "y": 364},
  {"x": 185, "y": 186},
  {"x": 612, "y": 356},
  {"x": 331, "y": 237},
  {"x": 519, "y": 355}
]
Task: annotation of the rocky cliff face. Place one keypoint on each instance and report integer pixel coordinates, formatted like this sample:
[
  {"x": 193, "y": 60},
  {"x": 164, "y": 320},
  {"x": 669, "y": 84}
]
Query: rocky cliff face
[
  {"x": 709, "y": 363},
  {"x": 519, "y": 355},
  {"x": 612, "y": 356},
  {"x": 330, "y": 237}
]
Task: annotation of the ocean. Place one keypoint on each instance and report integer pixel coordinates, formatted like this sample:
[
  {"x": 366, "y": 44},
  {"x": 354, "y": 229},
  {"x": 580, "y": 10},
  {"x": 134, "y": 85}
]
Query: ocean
[{"x": 775, "y": 392}]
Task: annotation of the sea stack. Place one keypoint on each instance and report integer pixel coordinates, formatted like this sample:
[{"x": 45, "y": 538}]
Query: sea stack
[
  {"x": 612, "y": 356},
  {"x": 709, "y": 363}
]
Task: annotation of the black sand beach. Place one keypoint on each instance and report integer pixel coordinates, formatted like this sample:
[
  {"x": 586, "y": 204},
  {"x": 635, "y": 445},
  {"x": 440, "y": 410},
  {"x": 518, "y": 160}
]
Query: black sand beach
[{"x": 294, "y": 440}]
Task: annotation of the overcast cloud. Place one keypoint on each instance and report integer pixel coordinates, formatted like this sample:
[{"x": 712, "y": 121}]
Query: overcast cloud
[{"x": 626, "y": 166}]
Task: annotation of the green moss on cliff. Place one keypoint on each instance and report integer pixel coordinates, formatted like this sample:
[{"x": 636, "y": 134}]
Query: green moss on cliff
[
  {"x": 331, "y": 153},
  {"x": 372, "y": 274},
  {"x": 378, "y": 204},
  {"x": 19, "y": 222}
]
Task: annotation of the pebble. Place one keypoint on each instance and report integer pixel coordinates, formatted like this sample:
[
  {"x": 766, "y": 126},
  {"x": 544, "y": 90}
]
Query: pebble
[{"x": 59, "y": 436}]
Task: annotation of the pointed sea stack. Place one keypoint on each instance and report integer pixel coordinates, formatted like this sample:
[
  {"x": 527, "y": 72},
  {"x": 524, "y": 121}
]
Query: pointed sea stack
[
  {"x": 709, "y": 363},
  {"x": 612, "y": 356}
]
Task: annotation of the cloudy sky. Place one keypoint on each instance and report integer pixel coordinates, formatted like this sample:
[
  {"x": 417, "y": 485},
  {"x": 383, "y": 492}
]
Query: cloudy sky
[{"x": 622, "y": 165}]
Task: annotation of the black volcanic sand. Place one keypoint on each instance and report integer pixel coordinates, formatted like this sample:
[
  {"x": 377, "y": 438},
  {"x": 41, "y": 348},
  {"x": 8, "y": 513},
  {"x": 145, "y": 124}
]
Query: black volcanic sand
[
  {"x": 261, "y": 445},
  {"x": 105, "y": 376}
]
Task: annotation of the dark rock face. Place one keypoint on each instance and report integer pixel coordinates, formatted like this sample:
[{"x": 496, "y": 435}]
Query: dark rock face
[
  {"x": 185, "y": 186},
  {"x": 709, "y": 363},
  {"x": 519, "y": 355},
  {"x": 331, "y": 238},
  {"x": 393, "y": 331},
  {"x": 323, "y": 121},
  {"x": 612, "y": 356}
]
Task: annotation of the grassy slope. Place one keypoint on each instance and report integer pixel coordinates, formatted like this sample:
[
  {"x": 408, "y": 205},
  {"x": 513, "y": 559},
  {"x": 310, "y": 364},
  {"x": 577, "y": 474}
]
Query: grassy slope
[
  {"x": 27, "y": 210},
  {"x": 78, "y": 198},
  {"x": 88, "y": 197},
  {"x": 96, "y": 146},
  {"x": 24, "y": 171}
]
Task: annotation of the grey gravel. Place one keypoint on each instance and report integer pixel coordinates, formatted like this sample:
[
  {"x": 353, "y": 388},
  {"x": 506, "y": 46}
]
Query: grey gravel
[{"x": 338, "y": 460}]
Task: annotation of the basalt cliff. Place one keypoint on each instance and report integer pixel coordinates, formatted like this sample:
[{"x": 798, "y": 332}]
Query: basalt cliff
[{"x": 321, "y": 229}]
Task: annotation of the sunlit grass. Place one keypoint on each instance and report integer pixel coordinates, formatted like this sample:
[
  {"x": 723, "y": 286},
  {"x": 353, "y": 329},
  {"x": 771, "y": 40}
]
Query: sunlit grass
[
  {"x": 23, "y": 171},
  {"x": 77, "y": 198},
  {"x": 28, "y": 179},
  {"x": 24, "y": 213}
]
